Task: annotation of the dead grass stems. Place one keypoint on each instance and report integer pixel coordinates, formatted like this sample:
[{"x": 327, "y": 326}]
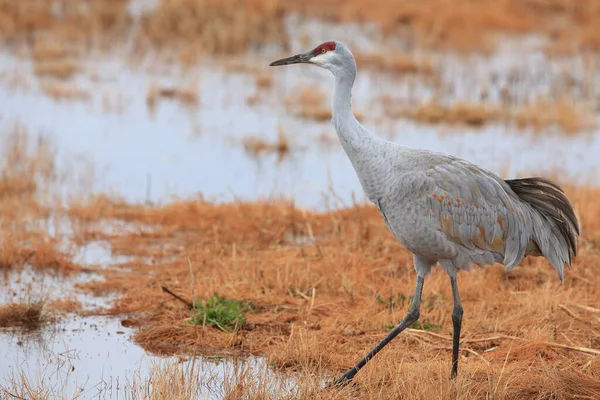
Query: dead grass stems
[
  {"x": 189, "y": 27},
  {"x": 28, "y": 176},
  {"x": 186, "y": 96},
  {"x": 317, "y": 306},
  {"x": 60, "y": 69},
  {"x": 465, "y": 25},
  {"x": 64, "y": 91},
  {"x": 563, "y": 115},
  {"x": 256, "y": 146},
  {"x": 309, "y": 103},
  {"x": 395, "y": 63},
  {"x": 22, "y": 315}
]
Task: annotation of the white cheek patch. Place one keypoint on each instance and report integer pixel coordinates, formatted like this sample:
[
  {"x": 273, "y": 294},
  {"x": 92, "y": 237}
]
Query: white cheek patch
[{"x": 321, "y": 59}]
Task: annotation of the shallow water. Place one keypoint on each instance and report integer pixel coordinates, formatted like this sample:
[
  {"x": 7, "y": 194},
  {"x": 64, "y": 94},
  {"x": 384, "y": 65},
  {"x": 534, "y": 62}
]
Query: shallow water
[
  {"x": 180, "y": 150},
  {"x": 28, "y": 285},
  {"x": 94, "y": 358},
  {"x": 90, "y": 352}
]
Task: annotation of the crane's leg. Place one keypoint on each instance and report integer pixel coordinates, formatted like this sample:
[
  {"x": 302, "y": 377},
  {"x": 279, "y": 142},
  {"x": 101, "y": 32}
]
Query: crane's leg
[
  {"x": 457, "y": 315},
  {"x": 411, "y": 317}
]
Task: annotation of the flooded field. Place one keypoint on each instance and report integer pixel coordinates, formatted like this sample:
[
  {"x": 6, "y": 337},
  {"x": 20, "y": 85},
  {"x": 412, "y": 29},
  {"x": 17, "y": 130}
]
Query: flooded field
[
  {"x": 94, "y": 358},
  {"x": 160, "y": 153}
]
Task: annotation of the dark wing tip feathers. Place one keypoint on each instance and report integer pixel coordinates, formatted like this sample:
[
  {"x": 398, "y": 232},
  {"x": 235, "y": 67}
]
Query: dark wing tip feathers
[{"x": 548, "y": 198}]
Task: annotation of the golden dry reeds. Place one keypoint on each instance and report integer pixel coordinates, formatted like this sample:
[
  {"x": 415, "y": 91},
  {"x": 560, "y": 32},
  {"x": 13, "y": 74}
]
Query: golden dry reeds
[
  {"x": 264, "y": 81},
  {"x": 309, "y": 103},
  {"x": 466, "y": 25},
  {"x": 395, "y": 63},
  {"x": 255, "y": 145},
  {"x": 49, "y": 50},
  {"x": 27, "y": 177},
  {"x": 61, "y": 91},
  {"x": 26, "y": 169},
  {"x": 27, "y": 22},
  {"x": 186, "y": 96},
  {"x": 566, "y": 116},
  {"x": 224, "y": 27},
  {"x": 212, "y": 26},
  {"x": 61, "y": 69},
  {"x": 326, "y": 287},
  {"x": 21, "y": 315},
  {"x": 66, "y": 305},
  {"x": 457, "y": 113}
]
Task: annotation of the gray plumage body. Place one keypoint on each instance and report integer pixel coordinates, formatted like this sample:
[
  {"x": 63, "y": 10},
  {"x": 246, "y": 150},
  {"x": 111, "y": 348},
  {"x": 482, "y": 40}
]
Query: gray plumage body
[
  {"x": 442, "y": 208},
  {"x": 447, "y": 210}
]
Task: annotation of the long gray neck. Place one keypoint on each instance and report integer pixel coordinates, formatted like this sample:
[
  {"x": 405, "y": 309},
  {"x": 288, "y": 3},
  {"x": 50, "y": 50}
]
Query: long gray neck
[
  {"x": 363, "y": 148},
  {"x": 342, "y": 98},
  {"x": 354, "y": 138}
]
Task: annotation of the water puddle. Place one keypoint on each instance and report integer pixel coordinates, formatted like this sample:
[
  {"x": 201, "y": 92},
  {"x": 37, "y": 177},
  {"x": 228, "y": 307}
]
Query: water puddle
[
  {"x": 174, "y": 149},
  {"x": 29, "y": 285},
  {"x": 94, "y": 358},
  {"x": 99, "y": 255}
]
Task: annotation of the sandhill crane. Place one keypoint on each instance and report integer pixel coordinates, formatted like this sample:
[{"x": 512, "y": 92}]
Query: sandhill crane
[{"x": 442, "y": 208}]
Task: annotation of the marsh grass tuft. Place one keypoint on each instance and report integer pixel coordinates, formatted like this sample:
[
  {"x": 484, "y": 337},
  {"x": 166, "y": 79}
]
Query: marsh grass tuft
[
  {"x": 22, "y": 315},
  {"x": 221, "y": 312}
]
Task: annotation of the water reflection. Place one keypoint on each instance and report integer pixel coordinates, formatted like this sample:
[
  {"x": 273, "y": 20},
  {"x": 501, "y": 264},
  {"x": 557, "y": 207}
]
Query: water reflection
[
  {"x": 94, "y": 358},
  {"x": 132, "y": 152}
]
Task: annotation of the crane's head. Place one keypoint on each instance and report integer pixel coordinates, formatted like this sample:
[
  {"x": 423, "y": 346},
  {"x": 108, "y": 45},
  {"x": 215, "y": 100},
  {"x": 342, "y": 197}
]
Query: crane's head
[{"x": 333, "y": 56}]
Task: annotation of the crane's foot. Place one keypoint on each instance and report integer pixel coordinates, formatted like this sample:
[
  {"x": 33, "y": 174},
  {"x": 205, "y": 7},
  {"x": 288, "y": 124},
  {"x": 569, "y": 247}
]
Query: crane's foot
[
  {"x": 453, "y": 374},
  {"x": 342, "y": 381}
]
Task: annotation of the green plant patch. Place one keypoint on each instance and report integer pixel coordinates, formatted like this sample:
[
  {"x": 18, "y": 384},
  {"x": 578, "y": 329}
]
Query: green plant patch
[
  {"x": 425, "y": 326},
  {"x": 220, "y": 312}
]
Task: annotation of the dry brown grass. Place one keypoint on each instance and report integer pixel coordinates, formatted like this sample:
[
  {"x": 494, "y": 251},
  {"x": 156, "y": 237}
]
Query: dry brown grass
[
  {"x": 27, "y": 176},
  {"x": 35, "y": 248},
  {"x": 61, "y": 91},
  {"x": 186, "y": 96},
  {"x": 67, "y": 305},
  {"x": 567, "y": 116},
  {"x": 60, "y": 69},
  {"x": 29, "y": 22},
  {"x": 212, "y": 26},
  {"x": 20, "y": 385},
  {"x": 264, "y": 81},
  {"x": 223, "y": 27},
  {"x": 26, "y": 168},
  {"x": 309, "y": 103},
  {"x": 21, "y": 315},
  {"x": 322, "y": 283},
  {"x": 395, "y": 63},
  {"x": 256, "y": 145},
  {"x": 457, "y": 113},
  {"x": 470, "y": 24},
  {"x": 49, "y": 50}
]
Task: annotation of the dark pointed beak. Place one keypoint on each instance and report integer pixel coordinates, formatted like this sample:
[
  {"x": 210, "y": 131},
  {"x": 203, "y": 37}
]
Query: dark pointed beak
[{"x": 297, "y": 59}]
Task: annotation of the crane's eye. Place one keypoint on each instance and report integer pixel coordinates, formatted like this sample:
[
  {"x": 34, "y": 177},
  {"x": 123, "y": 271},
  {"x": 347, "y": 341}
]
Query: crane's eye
[{"x": 323, "y": 50}]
